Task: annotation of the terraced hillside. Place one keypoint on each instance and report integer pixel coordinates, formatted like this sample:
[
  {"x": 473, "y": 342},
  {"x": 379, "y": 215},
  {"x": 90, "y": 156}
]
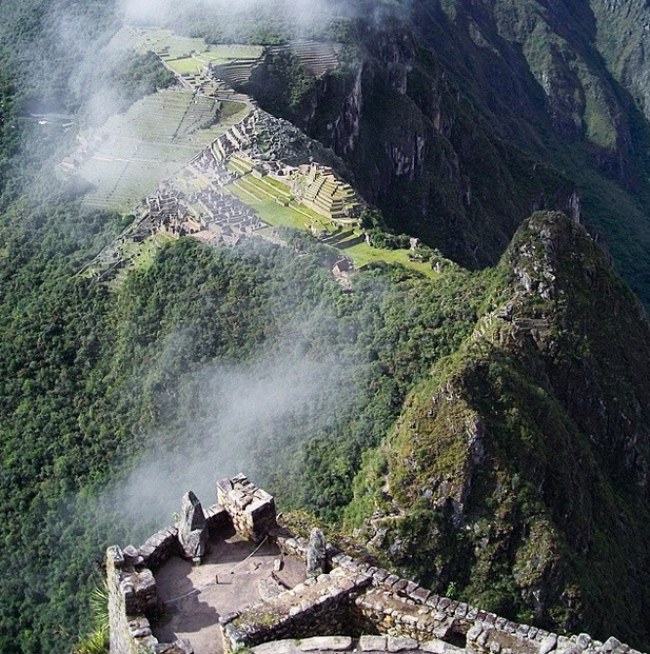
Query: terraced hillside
[
  {"x": 134, "y": 151},
  {"x": 191, "y": 57},
  {"x": 318, "y": 57}
]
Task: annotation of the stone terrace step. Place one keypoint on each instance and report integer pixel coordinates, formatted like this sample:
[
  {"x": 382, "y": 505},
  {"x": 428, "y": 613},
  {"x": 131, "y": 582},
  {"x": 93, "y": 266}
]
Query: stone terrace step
[
  {"x": 328, "y": 644},
  {"x": 305, "y": 605}
]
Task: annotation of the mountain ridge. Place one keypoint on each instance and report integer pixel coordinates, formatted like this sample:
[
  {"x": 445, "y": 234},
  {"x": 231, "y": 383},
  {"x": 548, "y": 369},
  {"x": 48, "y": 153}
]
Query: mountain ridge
[{"x": 521, "y": 449}]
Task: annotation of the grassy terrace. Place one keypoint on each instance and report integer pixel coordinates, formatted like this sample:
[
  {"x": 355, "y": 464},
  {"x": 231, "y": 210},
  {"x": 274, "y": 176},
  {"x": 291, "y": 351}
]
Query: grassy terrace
[
  {"x": 363, "y": 254},
  {"x": 263, "y": 195},
  {"x": 190, "y": 55},
  {"x": 147, "y": 144},
  {"x": 153, "y": 140}
]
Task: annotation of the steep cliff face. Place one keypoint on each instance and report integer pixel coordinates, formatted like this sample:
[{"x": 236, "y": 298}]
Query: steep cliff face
[
  {"x": 425, "y": 154},
  {"x": 517, "y": 475}
]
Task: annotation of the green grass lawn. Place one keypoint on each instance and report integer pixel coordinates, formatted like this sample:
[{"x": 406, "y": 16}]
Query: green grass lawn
[
  {"x": 258, "y": 195},
  {"x": 363, "y": 254},
  {"x": 187, "y": 65},
  {"x": 230, "y": 108},
  {"x": 268, "y": 210},
  {"x": 276, "y": 186},
  {"x": 222, "y": 54}
]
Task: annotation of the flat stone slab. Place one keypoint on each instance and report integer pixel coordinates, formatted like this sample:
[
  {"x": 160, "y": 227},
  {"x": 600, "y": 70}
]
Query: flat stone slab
[
  {"x": 441, "y": 647},
  {"x": 227, "y": 581},
  {"x": 326, "y": 644},
  {"x": 373, "y": 643},
  {"x": 399, "y": 644},
  {"x": 277, "y": 647},
  {"x": 329, "y": 644}
]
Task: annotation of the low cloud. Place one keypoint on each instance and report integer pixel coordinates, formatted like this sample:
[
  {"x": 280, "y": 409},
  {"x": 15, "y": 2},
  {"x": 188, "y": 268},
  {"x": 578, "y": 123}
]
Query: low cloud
[{"x": 233, "y": 418}]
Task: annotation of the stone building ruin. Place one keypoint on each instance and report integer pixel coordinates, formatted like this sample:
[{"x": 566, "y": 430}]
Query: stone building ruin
[{"x": 267, "y": 603}]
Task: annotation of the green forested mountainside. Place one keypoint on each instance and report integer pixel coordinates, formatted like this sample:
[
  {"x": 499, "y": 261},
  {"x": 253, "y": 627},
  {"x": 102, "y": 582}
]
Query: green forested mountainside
[
  {"x": 85, "y": 391},
  {"x": 514, "y": 399},
  {"x": 517, "y": 471}
]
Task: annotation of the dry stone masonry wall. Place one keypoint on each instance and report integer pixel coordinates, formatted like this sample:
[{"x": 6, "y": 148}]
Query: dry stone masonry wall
[{"x": 351, "y": 599}]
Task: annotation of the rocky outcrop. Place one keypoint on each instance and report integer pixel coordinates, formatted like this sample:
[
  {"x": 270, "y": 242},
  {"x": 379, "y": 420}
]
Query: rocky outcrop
[
  {"x": 457, "y": 117},
  {"x": 422, "y": 152},
  {"x": 316, "y": 554}
]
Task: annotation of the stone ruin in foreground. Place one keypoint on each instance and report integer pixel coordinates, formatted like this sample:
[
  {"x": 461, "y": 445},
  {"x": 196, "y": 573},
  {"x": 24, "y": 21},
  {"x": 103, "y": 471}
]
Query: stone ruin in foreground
[{"x": 340, "y": 604}]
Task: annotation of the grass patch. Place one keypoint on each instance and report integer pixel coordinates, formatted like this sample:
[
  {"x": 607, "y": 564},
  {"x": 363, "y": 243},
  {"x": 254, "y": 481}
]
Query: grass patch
[
  {"x": 230, "y": 108},
  {"x": 269, "y": 211},
  {"x": 187, "y": 65},
  {"x": 363, "y": 254}
]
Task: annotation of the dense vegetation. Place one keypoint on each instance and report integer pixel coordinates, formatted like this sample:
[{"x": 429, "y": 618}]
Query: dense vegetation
[
  {"x": 520, "y": 461},
  {"x": 85, "y": 390}
]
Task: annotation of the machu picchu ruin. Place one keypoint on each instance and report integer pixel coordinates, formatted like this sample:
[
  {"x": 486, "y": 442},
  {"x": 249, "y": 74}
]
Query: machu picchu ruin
[{"x": 208, "y": 163}]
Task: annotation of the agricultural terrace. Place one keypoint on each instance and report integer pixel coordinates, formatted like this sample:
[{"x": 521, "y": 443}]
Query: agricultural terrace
[
  {"x": 273, "y": 201},
  {"x": 192, "y": 56},
  {"x": 133, "y": 152}
]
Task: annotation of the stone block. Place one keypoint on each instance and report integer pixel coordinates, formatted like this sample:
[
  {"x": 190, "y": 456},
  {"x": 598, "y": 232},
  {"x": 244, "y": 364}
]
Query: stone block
[
  {"x": 391, "y": 580},
  {"x": 440, "y": 647},
  {"x": 474, "y": 632},
  {"x": 461, "y": 610},
  {"x": 548, "y": 644},
  {"x": 400, "y": 585},
  {"x": 381, "y": 575},
  {"x": 400, "y": 644},
  {"x": 611, "y": 644},
  {"x": 433, "y": 601},
  {"x": 114, "y": 554},
  {"x": 420, "y": 595},
  {"x": 326, "y": 644},
  {"x": 373, "y": 643},
  {"x": 228, "y": 617},
  {"x": 277, "y": 647}
]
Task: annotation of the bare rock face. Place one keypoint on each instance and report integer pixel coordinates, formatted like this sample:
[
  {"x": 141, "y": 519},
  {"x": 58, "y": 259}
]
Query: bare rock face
[
  {"x": 192, "y": 528},
  {"x": 316, "y": 554}
]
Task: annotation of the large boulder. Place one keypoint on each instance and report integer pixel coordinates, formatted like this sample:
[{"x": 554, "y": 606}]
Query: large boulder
[
  {"x": 192, "y": 528},
  {"x": 316, "y": 554}
]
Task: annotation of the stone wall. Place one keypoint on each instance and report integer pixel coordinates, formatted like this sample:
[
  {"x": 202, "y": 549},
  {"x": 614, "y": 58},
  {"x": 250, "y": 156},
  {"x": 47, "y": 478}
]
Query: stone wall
[
  {"x": 354, "y": 598},
  {"x": 315, "y": 607},
  {"x": 160, "y": 547},
  {"x": 131, "y": 595},
  {"x": 251, "y": 509},
  {"x": 133, "y": 599}
]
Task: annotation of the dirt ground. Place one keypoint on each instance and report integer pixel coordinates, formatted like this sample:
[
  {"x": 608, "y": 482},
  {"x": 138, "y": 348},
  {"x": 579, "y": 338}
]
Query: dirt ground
[{"x": 194, "y": 600}]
